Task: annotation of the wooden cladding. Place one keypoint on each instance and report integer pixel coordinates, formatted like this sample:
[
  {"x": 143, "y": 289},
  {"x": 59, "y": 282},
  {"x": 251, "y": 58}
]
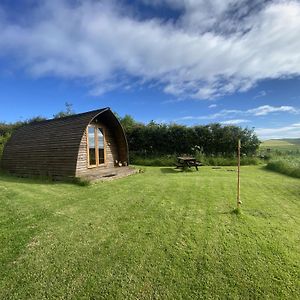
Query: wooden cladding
[{"x": 58, "y": 147}]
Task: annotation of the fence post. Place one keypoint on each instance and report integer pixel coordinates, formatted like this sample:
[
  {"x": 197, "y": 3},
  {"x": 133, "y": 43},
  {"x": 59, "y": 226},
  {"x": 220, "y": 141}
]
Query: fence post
[{"x": 238, "y": 200}]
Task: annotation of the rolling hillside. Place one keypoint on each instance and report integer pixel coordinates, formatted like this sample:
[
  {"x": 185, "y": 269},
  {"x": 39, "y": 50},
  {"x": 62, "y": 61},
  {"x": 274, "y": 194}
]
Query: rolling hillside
[{"x": 281, "y": 144}]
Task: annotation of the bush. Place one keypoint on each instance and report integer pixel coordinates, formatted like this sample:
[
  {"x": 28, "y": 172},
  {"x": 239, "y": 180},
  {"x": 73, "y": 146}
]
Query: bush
[
  {"x": 3, "y": 140},
  {"x": 213, "y": 139}
]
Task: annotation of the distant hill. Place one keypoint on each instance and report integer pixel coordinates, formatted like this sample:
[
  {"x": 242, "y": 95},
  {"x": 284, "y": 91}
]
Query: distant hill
[
  {"x": 281, "y": 144},
  {"x": 292, "y": 141}
]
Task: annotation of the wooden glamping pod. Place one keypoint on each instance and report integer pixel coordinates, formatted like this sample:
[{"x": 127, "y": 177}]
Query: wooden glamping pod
[{"x": 90, "y": 145}]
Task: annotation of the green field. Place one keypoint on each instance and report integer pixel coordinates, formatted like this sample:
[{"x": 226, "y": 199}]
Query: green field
[
  {"x": 281, "y": 144},
  {"x": 161, "y": 234}
]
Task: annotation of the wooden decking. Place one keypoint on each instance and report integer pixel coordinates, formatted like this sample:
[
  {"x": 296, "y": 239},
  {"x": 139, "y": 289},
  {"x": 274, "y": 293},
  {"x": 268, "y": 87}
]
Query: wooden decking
[{"x": 110, "y": 173}]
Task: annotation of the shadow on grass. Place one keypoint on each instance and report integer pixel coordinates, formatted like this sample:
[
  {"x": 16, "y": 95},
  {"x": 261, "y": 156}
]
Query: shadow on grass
[
  {"x": 232, "y": 211},
  {"x": 170, "y": 170},
  {"x": 6, "y": 177},
  {"x": 24, "y": 180},
  {"x": 236, "y": 211},
  {"x": 166, "y": 170}
]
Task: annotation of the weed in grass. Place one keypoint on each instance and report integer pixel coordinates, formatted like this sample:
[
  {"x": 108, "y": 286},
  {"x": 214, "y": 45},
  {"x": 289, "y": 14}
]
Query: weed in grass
[
  {"x": 141, "y": 170},
  {"x": 81, "y": 181},
  {"x": 237, "y": 211}
]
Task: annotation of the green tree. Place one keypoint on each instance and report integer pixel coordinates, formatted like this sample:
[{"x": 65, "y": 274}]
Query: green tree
[
  {"x": 65, "y": 113},
  {"x": 128, "y": 122}
]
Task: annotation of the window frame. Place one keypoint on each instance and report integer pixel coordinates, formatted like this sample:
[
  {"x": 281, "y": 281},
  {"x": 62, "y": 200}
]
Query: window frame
[{"x": 96, "y": 127}]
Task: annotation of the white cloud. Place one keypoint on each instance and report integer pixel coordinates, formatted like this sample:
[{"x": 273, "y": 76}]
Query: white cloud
[
  {"x": 267, "y": 109},
  {"x": 261, "y": 94},
  {"x": 212, "y": 106},
  {"x": 218, "y": 115},
  {"x": 106, "y": 46},
  {"x": 235, "y": 122},
  {"x": 254, "y": 112},
  {"x": 291, "y": 131}
]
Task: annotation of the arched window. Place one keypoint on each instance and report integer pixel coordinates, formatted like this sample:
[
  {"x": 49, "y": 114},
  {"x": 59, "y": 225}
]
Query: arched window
[{"x": 95, "y": 146}]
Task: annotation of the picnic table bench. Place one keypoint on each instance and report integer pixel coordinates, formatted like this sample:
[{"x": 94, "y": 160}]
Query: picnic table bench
[{"x": 187, "y": 162}]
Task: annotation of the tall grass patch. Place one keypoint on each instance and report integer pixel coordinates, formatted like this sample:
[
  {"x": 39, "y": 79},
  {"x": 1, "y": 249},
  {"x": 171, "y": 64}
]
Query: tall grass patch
[
  {"x": 289, "y": 165},
  {"x": 158, "y": 160},
  {"x": 207, "y": 160},
  {"x": 219, "y": 160}
]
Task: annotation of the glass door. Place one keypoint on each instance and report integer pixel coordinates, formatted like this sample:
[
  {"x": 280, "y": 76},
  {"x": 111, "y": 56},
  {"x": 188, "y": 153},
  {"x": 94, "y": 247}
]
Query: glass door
[
  {"x": 101, "y": 152},
  {"x": 91, "y": 146},
  {"x": 96, "y": 146}
]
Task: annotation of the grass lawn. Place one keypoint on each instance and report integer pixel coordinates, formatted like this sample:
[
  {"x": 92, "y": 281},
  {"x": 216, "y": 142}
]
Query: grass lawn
[{"x": 156, "y": 235}]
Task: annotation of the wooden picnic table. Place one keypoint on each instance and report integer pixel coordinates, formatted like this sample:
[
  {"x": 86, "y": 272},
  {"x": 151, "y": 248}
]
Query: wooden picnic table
[{"x": 187, "y": 161}]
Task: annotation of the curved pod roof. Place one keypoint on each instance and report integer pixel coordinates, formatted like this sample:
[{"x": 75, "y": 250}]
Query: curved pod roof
[{"x": 50, "y": 147}]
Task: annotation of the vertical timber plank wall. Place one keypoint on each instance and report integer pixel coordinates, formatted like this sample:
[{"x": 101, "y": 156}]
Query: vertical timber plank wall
[
  {"x": 111, "y": 149},
  {"x": 122, "y": 145},
  {"x": 42, "y": 150}
]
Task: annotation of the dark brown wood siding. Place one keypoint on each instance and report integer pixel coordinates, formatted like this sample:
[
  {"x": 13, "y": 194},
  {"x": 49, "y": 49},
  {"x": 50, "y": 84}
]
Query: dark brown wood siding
[{"x": 57, "y": 148}]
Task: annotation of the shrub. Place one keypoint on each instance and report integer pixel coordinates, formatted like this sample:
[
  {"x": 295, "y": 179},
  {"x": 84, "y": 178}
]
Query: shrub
[
  {"x": 173, "y": 138},
  {"x": 3, "y": 140}
]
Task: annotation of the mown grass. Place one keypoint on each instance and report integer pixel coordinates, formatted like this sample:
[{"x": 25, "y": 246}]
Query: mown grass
[{"x": 161, "y": 234}]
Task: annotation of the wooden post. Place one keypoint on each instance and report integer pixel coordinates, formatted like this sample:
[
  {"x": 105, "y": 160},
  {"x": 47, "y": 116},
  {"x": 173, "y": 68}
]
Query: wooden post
[{"x": 238, "y": 200}]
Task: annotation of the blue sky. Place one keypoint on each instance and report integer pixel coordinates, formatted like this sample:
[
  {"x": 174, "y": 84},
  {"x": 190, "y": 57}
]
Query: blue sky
[{"x": 185, "y": 61}]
